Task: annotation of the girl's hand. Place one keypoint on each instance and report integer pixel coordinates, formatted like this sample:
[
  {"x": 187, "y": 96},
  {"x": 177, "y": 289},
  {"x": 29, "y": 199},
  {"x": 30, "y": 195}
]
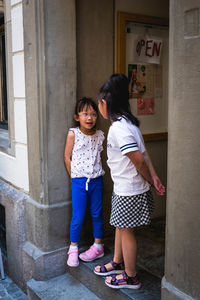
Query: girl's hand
[{"x": 159, "y": 187}]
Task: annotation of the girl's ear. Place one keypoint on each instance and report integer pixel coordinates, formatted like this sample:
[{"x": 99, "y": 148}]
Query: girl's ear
[
  {"x": 103, "y": 100},
  {"x": 76, "y": 118}
]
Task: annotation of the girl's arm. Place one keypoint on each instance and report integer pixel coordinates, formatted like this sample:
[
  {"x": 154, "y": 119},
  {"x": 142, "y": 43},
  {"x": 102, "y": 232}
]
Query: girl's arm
[
  {"x": 146, "y": 171},
  {"x": 68, "y": 150},
  {"x": 156, "y": 181}
]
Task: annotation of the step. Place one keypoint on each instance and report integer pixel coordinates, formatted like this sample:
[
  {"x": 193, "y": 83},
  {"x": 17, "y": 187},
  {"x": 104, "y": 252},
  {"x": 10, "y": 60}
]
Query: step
[
  {"x": 150, "y": 289},
  {"x": 81, "y": 283},
  {"x": 64, "y": 287}
]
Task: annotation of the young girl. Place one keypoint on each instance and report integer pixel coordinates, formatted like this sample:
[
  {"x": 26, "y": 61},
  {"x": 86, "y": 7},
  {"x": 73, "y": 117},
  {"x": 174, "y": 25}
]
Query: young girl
[
  {"x": 83, "y": 163},
  {"x": 132, "y": 173}
]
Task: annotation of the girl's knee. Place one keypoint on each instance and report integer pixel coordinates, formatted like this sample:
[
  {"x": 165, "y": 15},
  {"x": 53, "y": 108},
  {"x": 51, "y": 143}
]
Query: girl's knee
[
  {"x": 97, "y": 215},
  {"x": 127, "y": 230}
]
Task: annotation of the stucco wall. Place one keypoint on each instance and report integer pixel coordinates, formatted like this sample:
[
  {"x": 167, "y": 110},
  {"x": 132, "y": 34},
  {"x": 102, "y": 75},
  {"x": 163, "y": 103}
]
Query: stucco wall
[
  {"x": 14, "y": 162},
  {"x": 95, "y": 61},
  {"x": 144, "y": 7},
  {"x": 182, "y": 268}
]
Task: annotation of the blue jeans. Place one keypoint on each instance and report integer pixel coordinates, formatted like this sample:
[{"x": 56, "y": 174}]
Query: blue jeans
[{"x": 80, "y": 198}]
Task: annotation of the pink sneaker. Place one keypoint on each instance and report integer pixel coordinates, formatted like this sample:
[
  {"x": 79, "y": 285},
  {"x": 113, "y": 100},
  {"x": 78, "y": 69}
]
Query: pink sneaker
[
  {"x": 73, "y": 258},
  {"x": 92, "y": 253}
]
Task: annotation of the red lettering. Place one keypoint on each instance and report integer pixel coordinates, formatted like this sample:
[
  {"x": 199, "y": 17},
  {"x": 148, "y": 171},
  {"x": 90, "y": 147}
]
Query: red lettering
[
  {"x": 156, "y": 48},
  {"x": 148, "y": 47},
  {"x": 152, "y": 48}
]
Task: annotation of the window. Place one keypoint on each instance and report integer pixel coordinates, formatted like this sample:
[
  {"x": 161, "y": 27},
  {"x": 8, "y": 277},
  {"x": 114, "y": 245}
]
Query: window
[
  {"x": 5, "y": 133},
  {"x": 3, "y": 87}
]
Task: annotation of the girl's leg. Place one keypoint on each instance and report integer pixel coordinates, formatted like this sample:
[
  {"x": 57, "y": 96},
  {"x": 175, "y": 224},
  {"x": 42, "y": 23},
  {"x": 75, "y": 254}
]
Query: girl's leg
[
  {"x": 95, "y": 193},
  {"x": 118, "y": 256},
  {"x": 129, "y": 250},
  {"x": 79, "y": 204},
  {"x": 74, "y": 244},
  {"x": 97, "y": 241}
]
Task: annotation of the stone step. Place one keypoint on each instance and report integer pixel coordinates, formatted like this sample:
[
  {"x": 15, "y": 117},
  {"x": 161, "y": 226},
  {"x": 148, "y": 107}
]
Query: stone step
[
  {"x": 150, "y": 289},
  {"x": 64, "y": 287},
  {"x": 81, "y": 283}
]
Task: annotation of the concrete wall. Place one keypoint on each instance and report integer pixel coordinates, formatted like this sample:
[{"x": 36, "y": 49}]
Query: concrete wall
[
  {"x": 182, "y": 267},
  {"x": 95, "y": 63},
  {"x": 50, "y": 69},
  {"x": 13, "y": 201},
  {"x": 145, "y": 7},
  {"x": 44, "y": 71}
]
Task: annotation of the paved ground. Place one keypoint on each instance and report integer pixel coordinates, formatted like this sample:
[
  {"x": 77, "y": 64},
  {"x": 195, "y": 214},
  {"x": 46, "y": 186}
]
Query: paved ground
[{"x": 10, "y": 291}]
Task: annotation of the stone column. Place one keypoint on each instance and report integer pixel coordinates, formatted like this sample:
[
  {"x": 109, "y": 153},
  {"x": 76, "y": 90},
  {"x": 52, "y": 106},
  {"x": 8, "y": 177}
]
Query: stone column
[
  {"x": 182, "y": 267},
  {"x": 50, "y": 73}
]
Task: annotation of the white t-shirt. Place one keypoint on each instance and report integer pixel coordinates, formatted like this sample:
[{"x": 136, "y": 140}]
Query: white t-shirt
[
  {"x": 124, "y": 137},
  {"x": 86, "y": 154}
]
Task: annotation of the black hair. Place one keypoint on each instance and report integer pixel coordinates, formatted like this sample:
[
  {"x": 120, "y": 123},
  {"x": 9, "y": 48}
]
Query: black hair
[
  {"x": 84, "y": 103},
  {"x": 115, "y": 93}
]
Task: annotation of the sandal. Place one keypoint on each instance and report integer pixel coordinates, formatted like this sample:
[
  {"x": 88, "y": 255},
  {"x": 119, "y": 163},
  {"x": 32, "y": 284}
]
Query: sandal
[
  {"x": 117, "y": 269},
  {"x": 124, "y": 282}
]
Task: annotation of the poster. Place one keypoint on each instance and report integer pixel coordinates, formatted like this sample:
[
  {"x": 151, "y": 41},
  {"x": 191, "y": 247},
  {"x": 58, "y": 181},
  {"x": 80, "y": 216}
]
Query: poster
[
  {"x": 144, "y": 80},
  {"x": 148, "y": 86},
  {"x": 145, "y": 106}
]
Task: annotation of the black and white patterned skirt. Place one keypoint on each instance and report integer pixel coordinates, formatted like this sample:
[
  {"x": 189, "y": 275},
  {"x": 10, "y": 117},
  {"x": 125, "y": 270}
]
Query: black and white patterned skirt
[{"x": 131, "y": 211}]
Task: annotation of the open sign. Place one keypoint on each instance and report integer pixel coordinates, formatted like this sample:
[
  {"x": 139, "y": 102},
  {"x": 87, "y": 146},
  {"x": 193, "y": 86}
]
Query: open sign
[{"x": 148, "y": 50}]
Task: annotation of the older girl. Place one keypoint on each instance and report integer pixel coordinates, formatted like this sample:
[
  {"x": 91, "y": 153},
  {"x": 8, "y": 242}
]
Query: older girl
[{"x": 133, "y": 174}]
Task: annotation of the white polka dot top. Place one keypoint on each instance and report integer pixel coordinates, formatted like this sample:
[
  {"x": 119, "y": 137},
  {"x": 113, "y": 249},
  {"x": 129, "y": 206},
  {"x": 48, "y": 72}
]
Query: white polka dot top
[{"x": 86, "y": 154}]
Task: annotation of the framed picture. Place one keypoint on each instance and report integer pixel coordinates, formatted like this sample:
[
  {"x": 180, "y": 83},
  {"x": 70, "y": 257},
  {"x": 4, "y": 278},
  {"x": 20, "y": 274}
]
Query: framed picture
[{"x": 142, "y": 54}]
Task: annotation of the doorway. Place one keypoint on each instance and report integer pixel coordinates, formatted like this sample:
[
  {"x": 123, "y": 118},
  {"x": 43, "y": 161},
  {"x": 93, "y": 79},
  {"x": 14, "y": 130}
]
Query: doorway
[{"x": 142, "y": 54}]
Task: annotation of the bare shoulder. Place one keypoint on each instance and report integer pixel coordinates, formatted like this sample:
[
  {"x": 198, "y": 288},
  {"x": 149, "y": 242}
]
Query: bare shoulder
[
  {"x": 70, "y": 138},
  {"x": 71, "y": 134},
  {"x": 69, "y": 144}
]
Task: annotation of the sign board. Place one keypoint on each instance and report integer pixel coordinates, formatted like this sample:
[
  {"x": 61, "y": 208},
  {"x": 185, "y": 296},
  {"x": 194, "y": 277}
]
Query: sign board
[{"x": 148, "y": 50}]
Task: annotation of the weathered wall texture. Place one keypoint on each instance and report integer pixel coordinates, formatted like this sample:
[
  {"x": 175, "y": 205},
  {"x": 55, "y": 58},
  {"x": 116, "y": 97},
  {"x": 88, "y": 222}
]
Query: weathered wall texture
[
  {"x": 50, "y": 72},
  {"x": 182, "y": 268},
  {"x": 145, "y": 7},
  {"x": 95, "y": 63}
]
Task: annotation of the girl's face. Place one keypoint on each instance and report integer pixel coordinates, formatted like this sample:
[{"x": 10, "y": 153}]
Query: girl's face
[
  {"x": 102, "y": 105},
  {"x": 87, "y": 119}
]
